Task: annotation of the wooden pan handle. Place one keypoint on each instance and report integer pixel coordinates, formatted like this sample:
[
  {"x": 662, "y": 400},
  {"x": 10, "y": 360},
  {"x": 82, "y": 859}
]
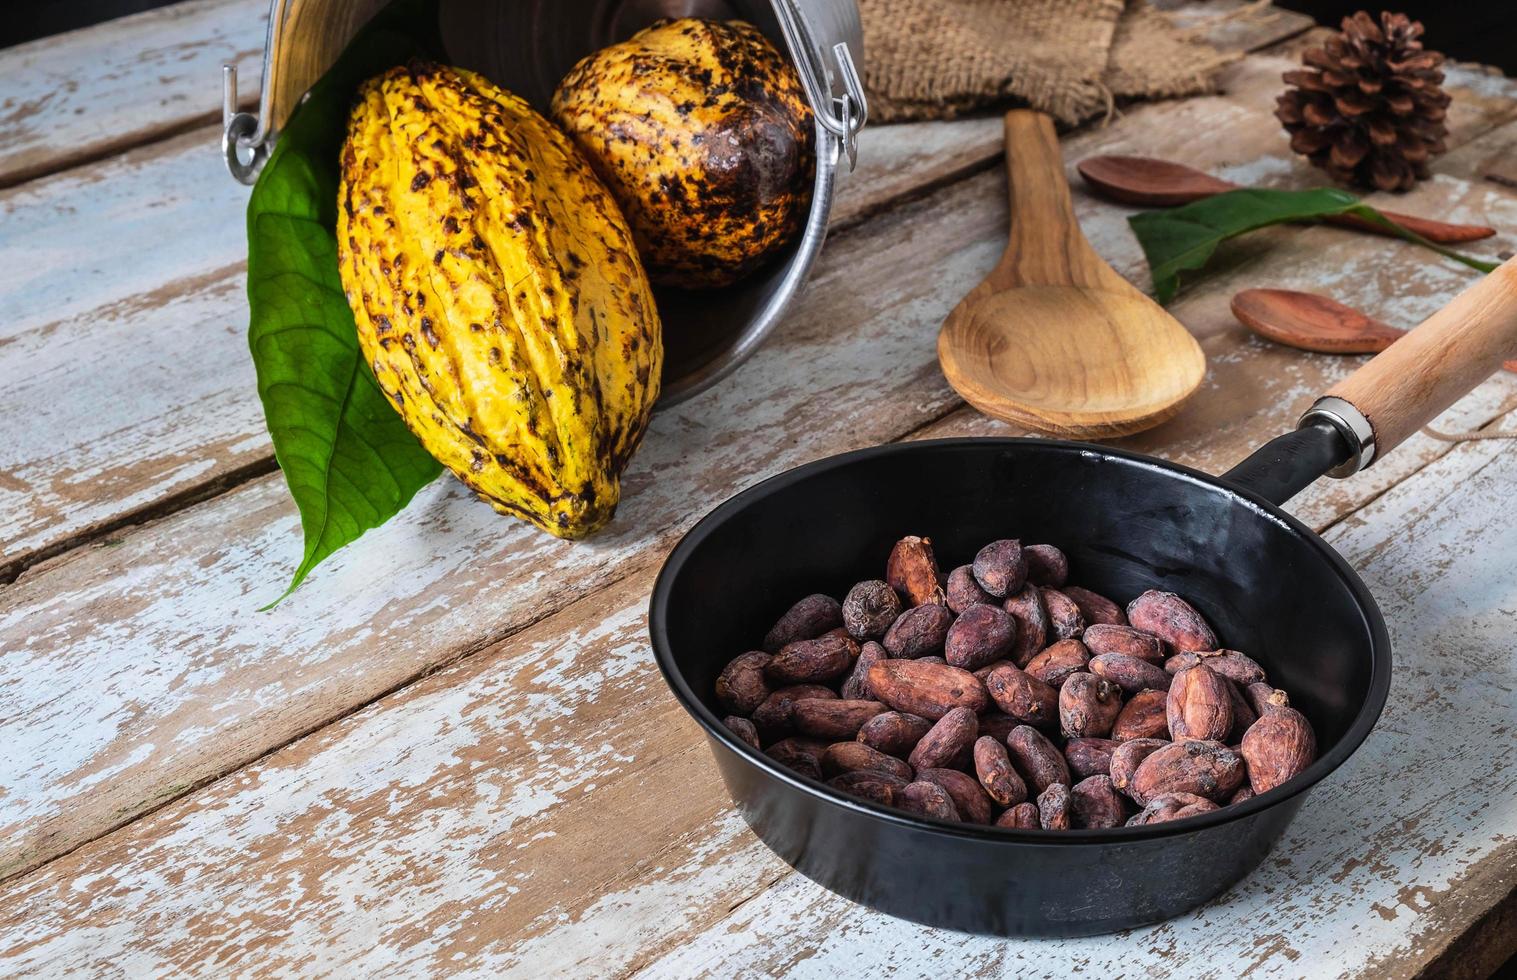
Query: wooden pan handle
[{"x": 1414, "y": 379}]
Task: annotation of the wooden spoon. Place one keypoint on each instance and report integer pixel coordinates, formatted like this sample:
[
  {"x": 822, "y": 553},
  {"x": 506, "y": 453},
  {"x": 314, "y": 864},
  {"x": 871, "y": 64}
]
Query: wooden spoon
[
  {"x": 1315, "y": 323},
  {"x": 1160, "y": 183},
  {"x": 1054, "y": 339}
]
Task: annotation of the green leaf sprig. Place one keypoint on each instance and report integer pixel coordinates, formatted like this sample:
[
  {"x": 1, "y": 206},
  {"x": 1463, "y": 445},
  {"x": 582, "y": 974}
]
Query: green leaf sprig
[
  {"x": 348, "y": 459},
  {"x": 1183, "y": 239}
]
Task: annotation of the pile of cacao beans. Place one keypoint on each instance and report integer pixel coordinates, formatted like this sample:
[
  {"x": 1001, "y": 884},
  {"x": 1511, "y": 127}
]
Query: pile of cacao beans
[{"x": 999, "y": 694}]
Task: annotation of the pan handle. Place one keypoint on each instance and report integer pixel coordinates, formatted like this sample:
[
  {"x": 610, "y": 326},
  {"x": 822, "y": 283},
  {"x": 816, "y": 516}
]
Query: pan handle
[
  {"x": 1413, "y": 380},
  {"x": 1399, "y": 391}
]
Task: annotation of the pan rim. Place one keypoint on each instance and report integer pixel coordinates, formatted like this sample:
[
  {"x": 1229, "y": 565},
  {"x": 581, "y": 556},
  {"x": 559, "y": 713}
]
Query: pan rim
[{"x": 1353, "y": 737}]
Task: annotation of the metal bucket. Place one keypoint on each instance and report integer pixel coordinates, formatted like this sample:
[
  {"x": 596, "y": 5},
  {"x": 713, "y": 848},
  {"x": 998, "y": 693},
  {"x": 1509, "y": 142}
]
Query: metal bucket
[{"x": 526, "y": 46}]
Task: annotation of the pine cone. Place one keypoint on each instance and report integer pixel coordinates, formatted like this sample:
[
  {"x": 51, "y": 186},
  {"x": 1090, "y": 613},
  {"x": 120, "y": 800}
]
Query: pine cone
[{"x": 1372, "y": 111}]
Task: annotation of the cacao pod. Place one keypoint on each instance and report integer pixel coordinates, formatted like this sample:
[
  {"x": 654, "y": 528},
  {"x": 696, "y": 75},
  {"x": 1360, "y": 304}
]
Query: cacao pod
[
  {"x": 701, "y": 130},
  {"x": 498, "y": 295}
]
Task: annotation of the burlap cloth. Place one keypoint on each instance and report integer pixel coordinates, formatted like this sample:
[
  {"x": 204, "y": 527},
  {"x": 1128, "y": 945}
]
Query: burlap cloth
[{"x": 1074, "y": 59}]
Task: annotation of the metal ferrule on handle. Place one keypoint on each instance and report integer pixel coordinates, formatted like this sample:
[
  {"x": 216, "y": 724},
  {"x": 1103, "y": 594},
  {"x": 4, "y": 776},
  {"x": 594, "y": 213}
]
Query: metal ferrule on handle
[{"x": 1351, "y": 424}]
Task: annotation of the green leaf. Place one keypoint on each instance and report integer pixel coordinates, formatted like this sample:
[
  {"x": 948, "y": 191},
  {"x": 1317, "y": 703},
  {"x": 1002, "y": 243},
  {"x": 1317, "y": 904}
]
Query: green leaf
[
  {"x": 348, "y": 459},
  {"x": 1183, "y": 239}
]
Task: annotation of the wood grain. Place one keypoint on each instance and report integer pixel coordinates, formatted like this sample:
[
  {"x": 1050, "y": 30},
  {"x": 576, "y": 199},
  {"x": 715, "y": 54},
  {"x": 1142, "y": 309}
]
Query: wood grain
[
  {"x": 185, "y": 663},
  {"x": 1434, "y": 364},
  {"x": 87, "y": 94},
  {"x": 177, "y": 244},
  {"x": 1311, "y": 321},
  {"x": 1053, "y": 338},
  {"x": 545, "y": 806},
  {"x": 1148, "y": 182}
]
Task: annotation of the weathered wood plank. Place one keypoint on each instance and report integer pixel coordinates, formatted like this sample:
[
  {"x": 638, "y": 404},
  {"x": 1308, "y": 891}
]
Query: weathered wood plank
[
  {"x": 169, "y": 279},
  {"x": 89, "y": 93},
  {"x": 351, "y": 634},
  {"x": 545, "y": 804},
  {"x": 445, "y": 578}
]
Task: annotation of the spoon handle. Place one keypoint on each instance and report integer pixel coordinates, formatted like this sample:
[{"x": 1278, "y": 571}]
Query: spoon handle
[
  {"x": 1427, "y": 370},
  {"x": 1045, "y": 245},
  {"x": 1434, "y": 231},
  {"x": 1150, "y": 182}
]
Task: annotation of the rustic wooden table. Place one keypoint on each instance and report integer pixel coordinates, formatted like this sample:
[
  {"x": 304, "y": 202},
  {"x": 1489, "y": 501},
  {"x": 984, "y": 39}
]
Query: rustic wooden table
[{"x": 451, "y": 748}]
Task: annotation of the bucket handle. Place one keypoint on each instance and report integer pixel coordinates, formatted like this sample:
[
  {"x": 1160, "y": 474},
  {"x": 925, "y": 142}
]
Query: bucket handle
[{"x": 842, "y": 115}]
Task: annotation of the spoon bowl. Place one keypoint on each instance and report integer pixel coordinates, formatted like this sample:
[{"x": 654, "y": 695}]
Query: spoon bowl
[
  {"x": 1311, "y": 322},
  {"x": 1054, "y": 339}
]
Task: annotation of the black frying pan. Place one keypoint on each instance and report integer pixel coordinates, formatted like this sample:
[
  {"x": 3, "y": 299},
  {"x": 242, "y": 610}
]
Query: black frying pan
[{"x": 1271, "y": 587}]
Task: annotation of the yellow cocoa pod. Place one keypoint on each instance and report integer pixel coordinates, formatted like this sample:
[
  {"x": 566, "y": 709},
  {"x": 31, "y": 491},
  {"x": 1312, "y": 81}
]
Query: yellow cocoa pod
[
  {"x": 701, "y": 130},
  {"x": 498, "y": 294}
]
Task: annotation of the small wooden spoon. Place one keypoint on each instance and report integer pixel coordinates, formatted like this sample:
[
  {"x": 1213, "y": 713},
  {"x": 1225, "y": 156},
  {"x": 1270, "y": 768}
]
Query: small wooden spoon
[
  {"x": 1160, "y": 183},
  {"x": 1315, "y": 323},
  {"x": 1054, "y": 339}
]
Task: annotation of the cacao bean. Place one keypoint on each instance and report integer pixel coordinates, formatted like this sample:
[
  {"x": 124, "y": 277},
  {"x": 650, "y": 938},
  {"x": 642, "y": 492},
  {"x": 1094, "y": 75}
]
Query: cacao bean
[
  {"x": 999, "y": 568},
  {"x": 1096, "y": 609},
  {"x": 1023, "y": 697},
  {"x": 929, "y": 690},
  {"x": 1054, "y": 665},
  {"x": 1065, "y": 621},
  {"x": 1236, "y": 667},
  {"x": 776, "y": 716},
  {"x": 894, "y": 732},
  {"x": 1278, "y": 747},
  {"x": 1088, "y": 705},
  {"x": 932, "y": 660},
  {"x": 1199, "y": 705},
  {"x": 877, "y": 787},
  {"x": 969, "y": 799},
  {"x": 841, "y": 757},
  {"x": 997, "y": 724},
  {"x": 1171, "y": 806},
  {"x": 1205, "y": 768},
  {"x": 927, "y": 800},
  {"x": 912, "y": 570},
  {"x": 962, "y": 591},
  {"x": 1245, "y": 793},
  {"x": 856, "y": 687},
  {"x": 1046, "y": 565},
  {"x": 1054, "y": 807},
  {"x": 803, "y": 755},
  {"x": 1095, "y": 804},
  {"x": 743, "y": 729},
  {"x": 833, "y": 718},
  {"x": 806, "y": 620},
  {"x": 1089, "y": 756},
  {"x": 1128, "y": 755},
  {"x": 982, "y": 634},
  {"x": 1023, "y": 816},
  {"x": 984, "y": 672},
  {"x": 1263, "y": 698},
  {"x": 1243, "y": 713},
  {"x": 869, "y": 608},
  {"x": 1036, "y": 759},
  {"x": 1145, "y": 715},
  {"x": 1126, "y": 640},
  {"x": 1026, "y": 607},
  {"x": 952, "y": 733},
  {"x": 1172, "y": 620},
  {"x": 1129, "y": 673},
  {"x": 993, "y": 767},
  {"x": 812, "y": 661},
  {"x": 919, "y": 632},
  {"x": 741, "y": 686}
]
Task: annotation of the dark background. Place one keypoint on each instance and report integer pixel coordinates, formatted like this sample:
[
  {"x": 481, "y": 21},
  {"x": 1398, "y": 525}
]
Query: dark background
[{"x": 1470, "y": 30}]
